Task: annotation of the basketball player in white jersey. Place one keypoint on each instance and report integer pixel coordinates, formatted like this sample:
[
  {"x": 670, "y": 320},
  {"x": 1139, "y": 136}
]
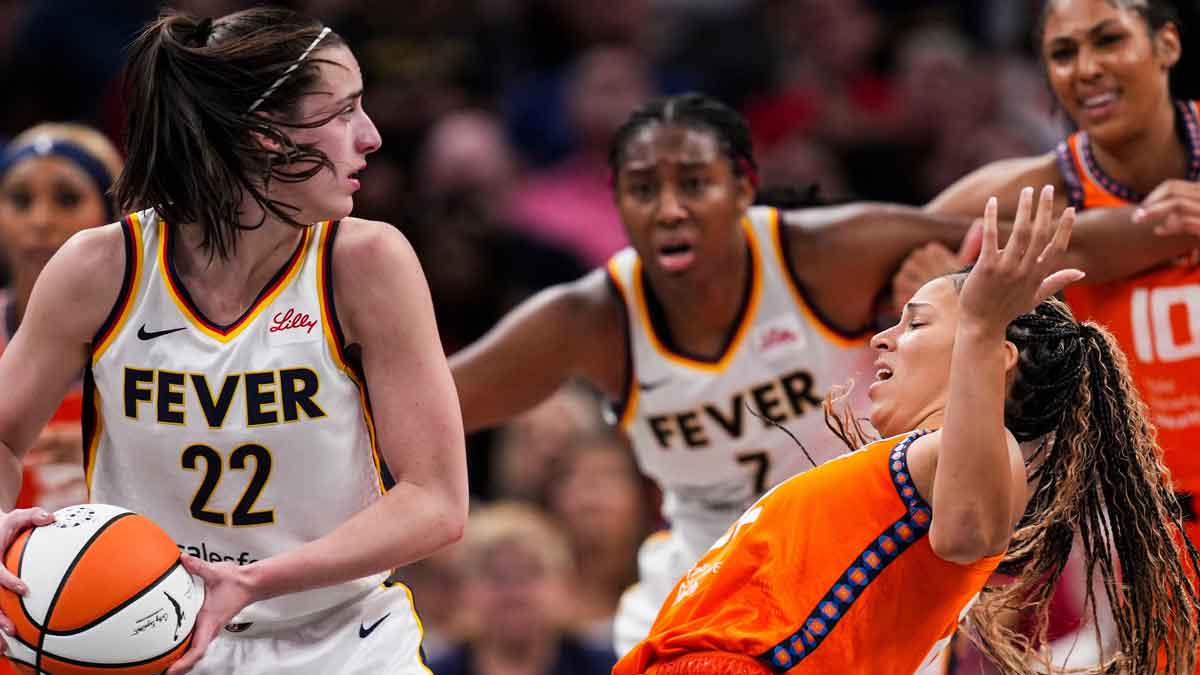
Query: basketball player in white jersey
[
  {"x": 719, "y": 320},
  {"x": 229, "y": 333}
]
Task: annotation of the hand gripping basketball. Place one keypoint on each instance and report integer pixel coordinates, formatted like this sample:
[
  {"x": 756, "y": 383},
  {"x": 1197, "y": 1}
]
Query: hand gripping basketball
[
  {"x": 12, "y": 524},
  {"x": 102, "y": 589}
]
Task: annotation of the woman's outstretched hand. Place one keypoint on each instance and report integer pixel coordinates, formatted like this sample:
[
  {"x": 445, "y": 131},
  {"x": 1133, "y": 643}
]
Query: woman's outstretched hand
[{"x": 1008, "y": 282}]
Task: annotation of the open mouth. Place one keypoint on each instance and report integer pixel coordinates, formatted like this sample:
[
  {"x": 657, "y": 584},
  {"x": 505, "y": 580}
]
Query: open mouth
[
  {"x": 883, "y": 373},
  {"x": 676, "y": 257},
  {"x": 1098, "y": 106}
]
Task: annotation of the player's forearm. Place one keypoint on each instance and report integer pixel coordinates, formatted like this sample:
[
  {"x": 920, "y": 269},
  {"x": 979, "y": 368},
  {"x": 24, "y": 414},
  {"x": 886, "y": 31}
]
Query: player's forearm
[
  {"x": 10, "y": 477},
  {"x": 411, "y": 522},
  {"x": 972, "y": 483},
  {"x": 1106, "y": 244}
]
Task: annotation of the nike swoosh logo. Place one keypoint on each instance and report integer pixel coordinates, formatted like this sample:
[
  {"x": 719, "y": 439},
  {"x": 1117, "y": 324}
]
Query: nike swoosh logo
[
  {"x": 364, "y": 631},
  {"x": 144, "y": 334},
  {"x": 650, "y": 386}
]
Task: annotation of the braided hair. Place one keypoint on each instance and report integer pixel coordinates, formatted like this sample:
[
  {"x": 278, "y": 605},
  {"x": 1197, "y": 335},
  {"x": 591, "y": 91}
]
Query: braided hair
[{"x": 1099, "y": 475}]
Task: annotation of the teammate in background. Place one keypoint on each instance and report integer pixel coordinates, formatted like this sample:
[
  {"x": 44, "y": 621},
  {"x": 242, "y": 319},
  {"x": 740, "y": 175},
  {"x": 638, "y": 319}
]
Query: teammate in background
[
  {"x": 719, "y": 313},
  {"x": 54, "y": 181},
  {"x": 1001, "y": 413},
  {"x": 1109, "y": 63},
  {"x": 229, "y": 333}
]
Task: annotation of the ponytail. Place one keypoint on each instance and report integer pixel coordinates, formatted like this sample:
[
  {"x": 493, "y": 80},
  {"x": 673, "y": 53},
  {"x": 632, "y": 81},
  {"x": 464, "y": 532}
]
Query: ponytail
[
  {"x": 194, "y": 149},
  {"x": 1100, "y": 477}
]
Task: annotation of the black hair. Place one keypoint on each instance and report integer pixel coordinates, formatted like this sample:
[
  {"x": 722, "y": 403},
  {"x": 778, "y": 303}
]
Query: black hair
[
  {"x": 695, "y": 110},
  {"x": 209, "y": 103}
]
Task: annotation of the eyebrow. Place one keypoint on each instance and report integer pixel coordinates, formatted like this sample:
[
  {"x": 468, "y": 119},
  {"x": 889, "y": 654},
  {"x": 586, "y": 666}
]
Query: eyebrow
[
  {"x": 351, "y": 96},
  {"x": 913, "y": 306},
  {"x": 1098, "y": 28}
]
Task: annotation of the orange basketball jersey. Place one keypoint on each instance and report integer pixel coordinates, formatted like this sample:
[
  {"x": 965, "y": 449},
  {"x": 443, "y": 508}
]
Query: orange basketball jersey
[
  {"x": 1155, "y": 316},
  {"x": 830, "y": 572}
]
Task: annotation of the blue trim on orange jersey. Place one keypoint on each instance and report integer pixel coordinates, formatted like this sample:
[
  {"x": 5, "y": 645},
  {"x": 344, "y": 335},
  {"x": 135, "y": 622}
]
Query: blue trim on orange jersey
[
  {"x": 867, "y": 567},
  {"x": 1189, "y": 134},
  {"x": 1189, "y": 112},
  {"x": 1070, "y": 175}
]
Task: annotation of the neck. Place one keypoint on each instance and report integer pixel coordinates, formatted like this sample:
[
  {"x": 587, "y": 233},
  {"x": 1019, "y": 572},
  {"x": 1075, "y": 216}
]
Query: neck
[
  {"x": 934, "y": 420},
  {"x": 701, "y": 311},
  {"x": 256, "y": 253},
  {"x": 533, "y": 655},
  {"x": 1145, "y": 160}
]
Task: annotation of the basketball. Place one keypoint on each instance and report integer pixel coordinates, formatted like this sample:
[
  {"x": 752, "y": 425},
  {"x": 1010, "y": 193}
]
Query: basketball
[{"x": 107, "y": 594}]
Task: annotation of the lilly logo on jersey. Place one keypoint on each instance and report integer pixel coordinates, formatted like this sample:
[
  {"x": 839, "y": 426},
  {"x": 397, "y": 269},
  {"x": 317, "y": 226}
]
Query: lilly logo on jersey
[
  {"x": 779, "y": 339},
  {"x": 776, "y": 336},
  {"x": 290, "y": 320}
]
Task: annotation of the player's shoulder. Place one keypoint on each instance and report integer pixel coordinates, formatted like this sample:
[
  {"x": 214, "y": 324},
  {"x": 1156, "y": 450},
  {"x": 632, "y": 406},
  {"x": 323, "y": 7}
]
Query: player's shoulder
[
  {"x": 82, "y": 281},
  {"x": 90, "y": 257},
  {"x": 593, "y": 298},
  {"x": 368, "y": 241},
  {"x": 364, "y": 252}
]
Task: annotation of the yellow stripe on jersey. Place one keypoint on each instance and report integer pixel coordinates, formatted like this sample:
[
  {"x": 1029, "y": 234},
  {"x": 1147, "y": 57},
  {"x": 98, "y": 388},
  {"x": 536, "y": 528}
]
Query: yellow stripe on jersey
[
  {"x": 631, "y": 389},
  {"x": 806, "y": 310},
  {"x": 93, "y": 442},
  {"x": 134, "y": 261},
  {"x": 747, "y": 318},
  {"x": 325, "y": 293},
  {"x": 264, "y": 300},
  {"x": 412, "y": 607}
]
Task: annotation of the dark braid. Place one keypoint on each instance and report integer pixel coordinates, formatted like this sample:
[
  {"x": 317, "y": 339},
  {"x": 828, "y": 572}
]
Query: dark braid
[
  {"x": 1102, "y": 478},
  {"x": 695, "y": 110}
]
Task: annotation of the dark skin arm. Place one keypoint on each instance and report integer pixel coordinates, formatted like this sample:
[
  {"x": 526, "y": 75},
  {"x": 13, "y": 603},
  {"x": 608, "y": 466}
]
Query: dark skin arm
[
  {"x": 1106, "y": 244},
  {"x": 845, "y": 255},
  {"x": 569, "y": 330}
]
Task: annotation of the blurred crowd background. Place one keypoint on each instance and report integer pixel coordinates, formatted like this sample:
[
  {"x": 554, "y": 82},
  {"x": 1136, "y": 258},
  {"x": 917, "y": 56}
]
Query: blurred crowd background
[{"x": 496, "y": 117}]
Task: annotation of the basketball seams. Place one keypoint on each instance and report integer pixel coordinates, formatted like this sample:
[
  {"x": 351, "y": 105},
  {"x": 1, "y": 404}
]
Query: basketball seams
[
  {"x": 66, "y": 575},
  {"x": 21, "y": 601},
  {"x": 179, "y": 648},
  {"x": 95, "y": 622}
]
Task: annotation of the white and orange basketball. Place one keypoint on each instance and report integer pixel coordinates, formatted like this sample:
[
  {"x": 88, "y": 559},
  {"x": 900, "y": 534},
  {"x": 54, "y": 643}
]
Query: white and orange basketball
[{"x": 107, "y": 595}]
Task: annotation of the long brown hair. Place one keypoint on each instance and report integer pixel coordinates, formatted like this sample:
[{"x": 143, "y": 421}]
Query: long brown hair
[
  {"x": 1099, "y": 477},
  {"x": 1102, "y": 479},
  {"x": 195, "y": 148}
]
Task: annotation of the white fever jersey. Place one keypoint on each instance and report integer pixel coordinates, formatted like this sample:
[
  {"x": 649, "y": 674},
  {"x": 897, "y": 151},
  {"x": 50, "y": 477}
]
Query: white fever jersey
[
  {"x": 689, "y": 419},
  {"x": 242, "y": 441}
]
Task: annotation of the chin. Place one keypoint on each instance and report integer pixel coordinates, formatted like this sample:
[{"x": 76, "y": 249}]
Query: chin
[
  {"x": 886, "y": 425},
  {"x": 1114, "y": 131}
]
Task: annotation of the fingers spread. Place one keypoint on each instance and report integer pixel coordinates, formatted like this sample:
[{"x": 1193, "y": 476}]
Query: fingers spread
[
  {"x": 1058, "y": 281},
  {"x": 990, "y": 236},
  {"x": 1023, "y": 225},
  {"x": 1043, "y": 227}
]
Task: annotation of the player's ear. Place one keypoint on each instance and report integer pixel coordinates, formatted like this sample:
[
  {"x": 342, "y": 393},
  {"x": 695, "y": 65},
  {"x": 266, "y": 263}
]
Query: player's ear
[{"x": 1011, "y": 356}]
